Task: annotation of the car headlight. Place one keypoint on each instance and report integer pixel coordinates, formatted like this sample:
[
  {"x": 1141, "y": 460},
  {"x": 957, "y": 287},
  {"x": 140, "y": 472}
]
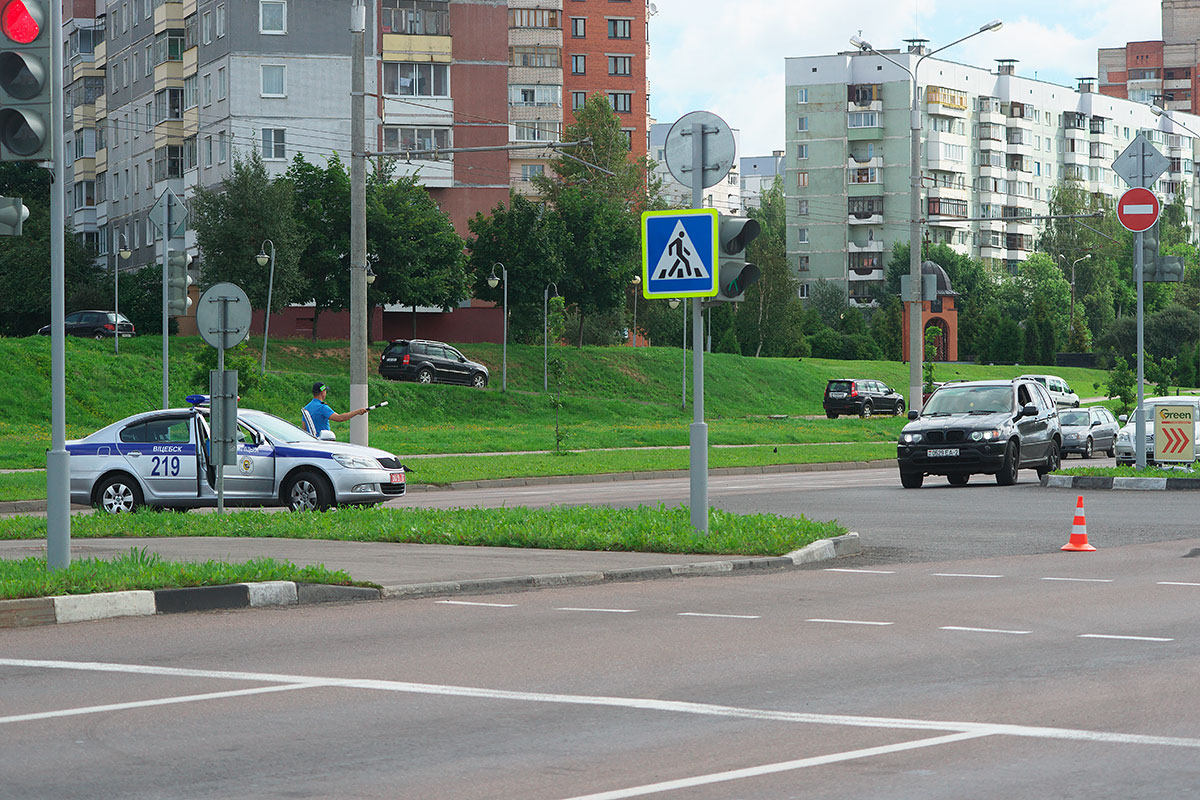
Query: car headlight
[
  {"x": 356, "y": 462},
  {"x": 1123, "y": 436},
  {"x": 1072, "y": 437},
  {"x": 985, "y": 436},
  {"x": 910, "y": 438}
]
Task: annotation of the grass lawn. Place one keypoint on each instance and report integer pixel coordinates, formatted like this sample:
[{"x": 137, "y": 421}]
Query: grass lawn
[
  {"x": 1129, "y": 472},
  {"x": 29, "y": 577}
]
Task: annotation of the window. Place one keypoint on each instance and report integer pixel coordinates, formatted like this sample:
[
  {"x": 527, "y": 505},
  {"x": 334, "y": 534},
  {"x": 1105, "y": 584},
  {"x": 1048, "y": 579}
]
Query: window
[
  {"x": 864, "y": 175},
  {"x": 149, "y": 60},
  {"x": 273, "y": 80},
  {"x": 191, "y": 91},
  {"x": 529, "y": 170},
  {"x": 802, "y": 124},
  {"x": 415, "y": 17},
  {"x": 273, "y": 144},
  {"x": 801, "y": 152},
  {"x": 416, "y": 80},
  {"x": 621, "y": 101},
  {"x": 531, "y": 131},
  {"x": 168, "y": 46},
  {"x": 272, "y": 16},
  {"x": 168, "y": 162},
  {"x": 221, "y": 83},
  {"x": 619, "y": 29},
  {"x": 399, "y": 140},
  {"x": 532, "y": 18},
  {"x": 190, "y": 31},
  {"x": 802, "y": 96},
  {"x": 802, "y": 264},
  {"x": 149, "y": 116},
  {"x": 135, "y": 64},
  {"x": 535, "y": 56},
  {"x": 579, "y": 100},
  {"x": 802, "y": 208},
  {"x": 191, "y": 155},
  {"x": 538, "y": 95},
  {"x": 85, "y": 194},
  {"x": 802, "y": 180},
  {"x": 149, "y": 174},
  {"x": 168, "y": 104},
  {"x": 222, "y": 147},
  {"x": 206, "y": 28},
  {"x": 208, "y": 152},
  {"x": 578, "y": 65},
  {"x": 803, "y": 294},
  {"x": 620, "y": 65},
  {"x": 147, "y": 9},
  {"x": 862, "y": 119},
  {"x": 578, "y": 27},
  {"x": 220, "y": 20}
]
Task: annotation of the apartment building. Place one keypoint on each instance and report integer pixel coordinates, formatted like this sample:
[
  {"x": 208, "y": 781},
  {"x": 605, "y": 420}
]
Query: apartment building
[
  {"x": 535, "y": 86},
  {"x": 725, "y": 196},
  {"x": 1163, "y": 71},
  {"x": 605, "y": 48},
  {"x": 758, "y": 175},
  {"x": 994, "y": 145}
]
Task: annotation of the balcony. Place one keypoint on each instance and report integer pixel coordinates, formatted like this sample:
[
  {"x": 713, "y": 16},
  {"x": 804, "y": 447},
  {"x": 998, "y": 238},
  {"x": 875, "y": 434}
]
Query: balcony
[
  {"x": 946, "y": 102},
  {"x": 859, "y": 274},
  {"x": 870, "y": 219},
  {"x": 854, "y": 163},
  {"x": 870, "y": 246}
]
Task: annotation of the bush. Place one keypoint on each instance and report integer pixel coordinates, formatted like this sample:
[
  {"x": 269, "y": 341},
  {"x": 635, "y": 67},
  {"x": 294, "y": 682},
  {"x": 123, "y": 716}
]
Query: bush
[{"x": 241, "y": 358}]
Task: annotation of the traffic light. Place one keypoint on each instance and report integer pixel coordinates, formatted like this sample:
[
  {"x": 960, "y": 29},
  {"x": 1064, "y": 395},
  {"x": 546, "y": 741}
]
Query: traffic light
[
  {"x": 12, "y": 213},
  {"x": 1170, "y": 269},
  {"x": 734, "y": 274},
  {"x": 1150, "y": 253},
  {"x": 178, "y": 282},
  {"x": 25, "y": 96}
]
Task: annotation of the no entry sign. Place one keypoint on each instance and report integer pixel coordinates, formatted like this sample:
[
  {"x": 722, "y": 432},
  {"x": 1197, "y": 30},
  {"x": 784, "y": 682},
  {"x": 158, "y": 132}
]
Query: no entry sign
[{"x": 1138, "y": 209}]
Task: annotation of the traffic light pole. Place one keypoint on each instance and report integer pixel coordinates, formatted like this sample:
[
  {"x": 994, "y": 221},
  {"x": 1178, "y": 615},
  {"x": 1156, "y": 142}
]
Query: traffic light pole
[
  {"x": 58, "y": 492},
  {"x": 358, "y": 223},
  {"x": 698, "y": 433}
]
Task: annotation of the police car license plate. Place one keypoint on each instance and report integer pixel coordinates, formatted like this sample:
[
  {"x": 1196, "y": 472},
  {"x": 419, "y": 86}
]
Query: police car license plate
[
  {"x": 944, "y": 452},
  {"x": 397, "y": 477}
]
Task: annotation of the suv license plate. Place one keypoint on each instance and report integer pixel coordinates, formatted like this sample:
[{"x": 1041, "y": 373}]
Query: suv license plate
[
  {"x": 837, "y": 395},
  {"x": 949, "y": 451},
  {"x": 397, "y": 477}
]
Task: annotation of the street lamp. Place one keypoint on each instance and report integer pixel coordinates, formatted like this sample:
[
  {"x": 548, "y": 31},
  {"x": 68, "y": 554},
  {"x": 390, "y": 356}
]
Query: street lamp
[
  {"x": 915, "y": 352},
  {"x": 637, "y": 284},
  {"x": 1063, "y": 259},
  {"x": 124, "y": 253},
  {"x": 493, "y": 281},
  {"x": 546, "y": 335},
  {"x": 674, "y": 303},
  {"x": 262, "y": 259}
]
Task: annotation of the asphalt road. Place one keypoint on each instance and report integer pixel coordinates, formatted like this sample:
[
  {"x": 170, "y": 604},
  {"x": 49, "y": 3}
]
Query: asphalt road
[{"x": 1056, "y": 675}]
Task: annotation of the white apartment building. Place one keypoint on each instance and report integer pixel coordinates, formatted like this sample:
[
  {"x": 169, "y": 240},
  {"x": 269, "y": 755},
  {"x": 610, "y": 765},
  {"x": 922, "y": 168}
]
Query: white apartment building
[{"x": 994, "y": 145}]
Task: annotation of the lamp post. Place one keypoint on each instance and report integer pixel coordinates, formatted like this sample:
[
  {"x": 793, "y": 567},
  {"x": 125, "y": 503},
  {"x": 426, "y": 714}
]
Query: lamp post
[
  {"x": 1159, "y": 111},
  {"x": 915, "y": 352},
  {"x": 124, "y": 253},
  {"x": 493, "y": 281},
  {"x": 1063, "y": 259},
  {"x": 262, "y": 259},
  {"x": 546, "y": 335},
  {"x": 637, "y": 285},
  {"x": 674, "y": 303}
]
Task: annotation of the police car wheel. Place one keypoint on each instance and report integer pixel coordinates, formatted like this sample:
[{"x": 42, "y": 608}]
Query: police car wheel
[
  {"x": 308, "y": 491},
  {"x": 119, "y": 494}
]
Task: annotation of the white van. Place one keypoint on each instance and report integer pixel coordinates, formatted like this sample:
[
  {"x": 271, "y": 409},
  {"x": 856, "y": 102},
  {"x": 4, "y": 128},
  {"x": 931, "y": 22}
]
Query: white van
[
  {"x": 1124, "y": 446},
  {"x": 1060, "y": 392}
]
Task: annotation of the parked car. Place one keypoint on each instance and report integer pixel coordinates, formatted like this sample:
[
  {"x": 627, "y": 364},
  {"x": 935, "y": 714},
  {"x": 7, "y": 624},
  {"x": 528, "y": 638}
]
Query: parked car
[
  {"x": 860, "y": 396},
  {"x": 1060, "y": 392},
  {"x": 161, "y": 459},
  {"x": 427, "y": 361},
  {"x": 989, "y": 427},
  {"x": 94, "y": 325},
  {"x": 1086, "y": 430},
  {"x": 1126, "y": 446}
]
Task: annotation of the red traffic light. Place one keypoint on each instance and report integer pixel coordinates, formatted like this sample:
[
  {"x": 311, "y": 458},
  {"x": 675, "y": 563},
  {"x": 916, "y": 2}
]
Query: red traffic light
[{"x": 18, "y": 23}]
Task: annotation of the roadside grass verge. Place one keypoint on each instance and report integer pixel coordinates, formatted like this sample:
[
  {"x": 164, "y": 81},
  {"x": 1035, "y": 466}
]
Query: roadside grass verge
[
  {"x": 643, "y": 529},
  {"x": 29, "y": 577},
  {"x": 23, "y": 486},
  {"x": 1129, "y": 472}
]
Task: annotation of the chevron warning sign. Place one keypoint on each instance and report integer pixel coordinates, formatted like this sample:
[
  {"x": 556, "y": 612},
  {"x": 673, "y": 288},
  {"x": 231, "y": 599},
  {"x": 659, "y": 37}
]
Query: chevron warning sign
[{"x": 1174, "y": 433}]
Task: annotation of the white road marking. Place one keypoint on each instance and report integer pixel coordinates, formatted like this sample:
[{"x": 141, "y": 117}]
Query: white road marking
[
  {"x": 602, "y": 610},
  {"x": 1176, "y": 583},
  {"x": 1127, "y": 638},
  {"x": 980, "y": 630},
  {"x": 863, "y": 571},
  {"x": 632, "y": 703},
  {"x": 1081, "y": 580},
  {"x": 963, "y": 575},
  {"x": 719, "y": 616},
  {"x": 164, "y": 701},
  {"x": 849, "y": 621},
  {"x": 468, "y": 603},
  {"x": 782, "y": 766}
]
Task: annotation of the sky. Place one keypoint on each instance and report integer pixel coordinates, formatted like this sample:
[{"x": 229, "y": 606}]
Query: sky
[{"x": 727, "y": 56}]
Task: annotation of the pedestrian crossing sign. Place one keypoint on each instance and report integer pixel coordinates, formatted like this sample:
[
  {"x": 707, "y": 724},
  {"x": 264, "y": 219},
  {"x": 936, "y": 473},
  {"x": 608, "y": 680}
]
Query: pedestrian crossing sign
[{"x": 679, "y": 253}]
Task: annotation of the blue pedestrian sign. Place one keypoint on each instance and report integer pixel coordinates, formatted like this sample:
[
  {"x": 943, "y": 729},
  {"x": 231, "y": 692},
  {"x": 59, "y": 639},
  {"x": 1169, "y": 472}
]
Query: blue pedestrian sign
[{"x": 679, "y": 253}]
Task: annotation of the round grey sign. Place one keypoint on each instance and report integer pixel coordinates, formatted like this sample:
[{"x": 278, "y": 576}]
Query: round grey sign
[
  {"x": 226, "y": 333},
  {"x": 719, "y": 148}
]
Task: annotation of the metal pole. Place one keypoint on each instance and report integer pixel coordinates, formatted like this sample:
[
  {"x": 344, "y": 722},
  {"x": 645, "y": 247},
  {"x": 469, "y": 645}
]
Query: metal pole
[
  {"x": 916, "y": 351},
  {"x": 165, "y": 318},
  {"x": 116, "y": 305},
  {"x": 504, "y": 374},
  {"x": 546, "y": 340},
  {"x": 218, "y": 448},
  {"x": 267, "y": 313},
  {"x": 358, "y": 223},
  {"x": 683, "y": 401},
  {"x": 58, "y": 466},
  {"x": 698, "y": 434},
  {"x": 636, "y": 287},
  {"x": 1139, "y": 420}
]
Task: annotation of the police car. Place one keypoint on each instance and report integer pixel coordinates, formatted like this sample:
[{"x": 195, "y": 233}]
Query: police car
[{"x": 161, "y": 459}]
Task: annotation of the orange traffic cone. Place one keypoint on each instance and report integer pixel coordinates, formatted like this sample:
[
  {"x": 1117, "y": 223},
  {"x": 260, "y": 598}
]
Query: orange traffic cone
[{"x": 1079, "y": 542}]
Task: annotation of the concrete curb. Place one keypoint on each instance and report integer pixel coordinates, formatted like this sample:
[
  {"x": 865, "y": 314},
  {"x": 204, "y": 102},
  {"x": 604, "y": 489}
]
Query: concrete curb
[
  {"x": 826, "y": 549},
  {"x": 1129, "y": 484},
  {"x": 141, "y": 603}
]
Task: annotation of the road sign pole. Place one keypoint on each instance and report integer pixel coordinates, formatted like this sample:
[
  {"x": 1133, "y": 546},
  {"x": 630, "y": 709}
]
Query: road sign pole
[
  {"x": 698, "y": 456},
  {"x": 58, "y": 464},
  {"x": 165, "y": 320},
  {"x": 1139, "y": 423}
]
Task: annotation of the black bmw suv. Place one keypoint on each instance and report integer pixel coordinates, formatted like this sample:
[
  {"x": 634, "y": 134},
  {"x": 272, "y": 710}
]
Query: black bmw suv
[
  {"x": 989, "y": 427},
  {"x": 427, "y": 361},
  {"x": 861, "y": 397}
]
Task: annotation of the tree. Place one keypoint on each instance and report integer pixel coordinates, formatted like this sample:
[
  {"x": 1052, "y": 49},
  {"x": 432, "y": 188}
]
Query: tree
[
  {"x": 1121, "y": 385},
  {"x": 829, "y": 301},
  {"x": 321, "y": 205},
  {"x": 234, "y": 219},
  {"x": 885, "y": 328},
  {"x": 1040, "y": 279},
  {"x": 768, "y": 320}
]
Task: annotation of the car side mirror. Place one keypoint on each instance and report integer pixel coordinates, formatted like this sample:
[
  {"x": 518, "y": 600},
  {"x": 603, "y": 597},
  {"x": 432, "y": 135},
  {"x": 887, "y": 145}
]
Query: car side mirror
[
  {"x": 1029, "y": 411},
  {"x": 913, "y": 414},
  {"x": 1095, "y": 422},
  {"x": 1123, "y": 418},
  {"x": 327, "y": 436}
]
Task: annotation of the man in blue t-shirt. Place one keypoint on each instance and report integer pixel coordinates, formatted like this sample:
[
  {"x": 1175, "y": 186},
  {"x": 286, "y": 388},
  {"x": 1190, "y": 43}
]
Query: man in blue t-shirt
[{"x": 317, "y": 414}]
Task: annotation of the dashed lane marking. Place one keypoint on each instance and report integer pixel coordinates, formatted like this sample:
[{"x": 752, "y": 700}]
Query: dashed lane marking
[
  {"x": 719, "y": 616},
  {"x": 1081, "y": 580},
  {"x": 963, "y": 575},
  {"x": 468, "y": 603},
  {"x": 1126, "y": 638},
  {"x": 862, "y": 571},
  {"x": 1176, "y": 583},
  {"x": 849, "y": 621},
  {"x": 602, "y": 610},
  {"x": 980, "y": 630}
]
